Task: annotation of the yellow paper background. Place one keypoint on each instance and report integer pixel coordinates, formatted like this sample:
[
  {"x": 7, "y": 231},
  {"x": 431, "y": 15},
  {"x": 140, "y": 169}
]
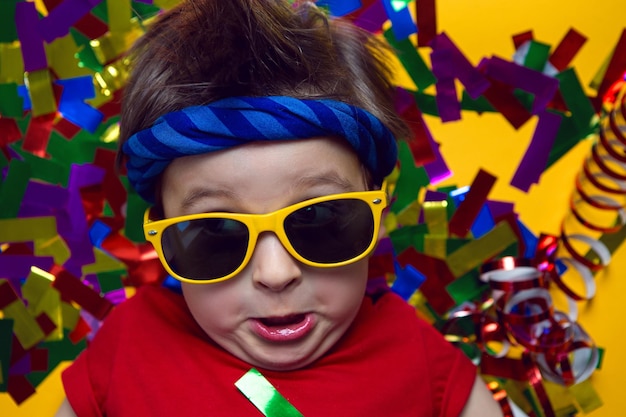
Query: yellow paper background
[{"x": 482, "y": 28}]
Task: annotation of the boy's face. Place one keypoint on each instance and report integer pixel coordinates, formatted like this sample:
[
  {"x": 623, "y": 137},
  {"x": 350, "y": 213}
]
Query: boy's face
[{"x": 277, "y": 313}]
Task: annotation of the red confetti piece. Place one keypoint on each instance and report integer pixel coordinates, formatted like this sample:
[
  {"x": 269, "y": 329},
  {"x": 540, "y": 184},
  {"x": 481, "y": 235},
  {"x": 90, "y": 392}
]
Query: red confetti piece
[
  {"x": 72, "y": 288},
  {"x": 463, "y": 218},
  {"x": 426, "y": 21},
  {"x": 567, "y": 49}
]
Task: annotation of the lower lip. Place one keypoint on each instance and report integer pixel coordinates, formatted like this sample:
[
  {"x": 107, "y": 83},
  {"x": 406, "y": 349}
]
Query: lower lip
[{"x": 287, "y": 333}]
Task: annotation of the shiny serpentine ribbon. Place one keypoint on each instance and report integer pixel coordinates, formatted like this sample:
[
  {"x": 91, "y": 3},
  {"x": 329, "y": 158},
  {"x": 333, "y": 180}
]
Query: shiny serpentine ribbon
[
  {"x": 520, "y": 313},
  {"x": 598, "y": 203}
]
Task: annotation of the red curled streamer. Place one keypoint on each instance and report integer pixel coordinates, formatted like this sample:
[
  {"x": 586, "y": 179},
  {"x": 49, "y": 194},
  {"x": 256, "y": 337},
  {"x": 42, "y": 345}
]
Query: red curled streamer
[
  {"x": 598, "y": 203},
  {"x": 521, "y": 313}
]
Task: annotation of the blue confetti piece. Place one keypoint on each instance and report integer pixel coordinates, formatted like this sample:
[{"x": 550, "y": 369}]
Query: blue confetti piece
[
  {"x": 402, "y": 23},
  {"x": 483, "y": 223},
  {"x": 407, "y": 281},
  {"x": 340, "y": 7}
]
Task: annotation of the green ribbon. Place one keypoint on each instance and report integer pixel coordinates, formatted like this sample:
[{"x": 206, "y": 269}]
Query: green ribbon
[{"x": 264, "y": 396}]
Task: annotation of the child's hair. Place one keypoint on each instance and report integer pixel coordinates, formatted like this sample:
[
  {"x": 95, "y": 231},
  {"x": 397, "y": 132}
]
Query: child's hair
[{"x": 205, "y": 50}]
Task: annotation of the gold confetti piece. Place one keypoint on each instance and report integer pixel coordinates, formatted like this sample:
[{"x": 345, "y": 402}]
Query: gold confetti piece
[
  {"x": 476, "y": 252},
  {"x": 11, "y": 64},
  {"x": 55, "y": 247},
  {"x": 27, "y": 229},
  {"x": 41, "y": 95}
]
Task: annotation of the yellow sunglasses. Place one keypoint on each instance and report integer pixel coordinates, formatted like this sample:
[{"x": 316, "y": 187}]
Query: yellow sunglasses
[{"x": 328, "y": 231}]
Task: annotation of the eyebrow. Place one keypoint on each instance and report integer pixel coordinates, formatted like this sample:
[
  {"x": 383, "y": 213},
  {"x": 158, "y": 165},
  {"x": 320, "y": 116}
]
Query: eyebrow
[
  {"x": 326, "y": 178},
  {"x": 330, "y": 177},
  {"x": 203, "y": 193}
]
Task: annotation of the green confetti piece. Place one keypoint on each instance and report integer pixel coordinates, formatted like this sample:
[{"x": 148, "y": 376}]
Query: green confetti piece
[
  {"x": 135, "y": 209},
  {"x": 143, "y": 10},
  {"x": 3, "y": 161},
  {"x": 8, "y": 30},
  {"x": 264, "y": 396},
  {"x": 537, "y": 56},
  {"x": 412, "y": 61},
  {"x": 567, "y": 137},
  {"x": 58, "y": 351},
  {"x": 85, "y": 55},
  {"x": 80, "y": 150},
  {"x": 13, "y": 188},
  {"x": 47, "y": 170},
  {"x": 578, "y": 103},
  {"x": 467, "y": 287},
  {"x": 408, "y": 236},
  {"x": 110, "y": 280},
  {"x": 480, "y": 105},
  {"x": 410, "y": 181},
  {"x": 101, "y": 11},
  {"x": 6, "y": 341},
  {"x": 11, "y": 104},
  {"x": 426, "y": 103}
]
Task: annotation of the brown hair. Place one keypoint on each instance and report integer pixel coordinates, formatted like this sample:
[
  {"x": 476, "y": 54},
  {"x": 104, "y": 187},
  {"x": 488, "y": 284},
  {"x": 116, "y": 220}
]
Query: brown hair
[{"x": 205, "y": 50}]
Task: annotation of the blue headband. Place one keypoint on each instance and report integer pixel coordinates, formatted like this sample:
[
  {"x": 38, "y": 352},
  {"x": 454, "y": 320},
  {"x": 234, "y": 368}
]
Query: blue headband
[{"x": 239, "y": 120}]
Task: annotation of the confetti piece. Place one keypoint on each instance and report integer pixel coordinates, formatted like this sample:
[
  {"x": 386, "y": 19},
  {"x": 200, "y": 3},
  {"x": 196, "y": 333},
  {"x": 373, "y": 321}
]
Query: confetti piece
[
  {"x": 567, "y": 49},
  {"x": 33, "y": 52},
  {"x": 402, "y": 23},
  {"x": 71, "y": 288},
  {"x": 25, "y": 327},
  {"x": 59, "y": 20},
  {"x": 468, "y": 210},
  {"x": 541, "y": 86},
  {"x": 340, "y": 7},
  {"x": 13, "y": 188},
  {"x": 426, "y": 21},
  {"x": 264, "y": 396},
  {"x": 412, "y": 61},
  {"x": 536, "y": 157}
]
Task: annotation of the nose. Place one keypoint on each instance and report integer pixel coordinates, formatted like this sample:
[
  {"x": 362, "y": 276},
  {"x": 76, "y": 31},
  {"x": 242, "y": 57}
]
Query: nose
[{"x": 273, "y": 267}]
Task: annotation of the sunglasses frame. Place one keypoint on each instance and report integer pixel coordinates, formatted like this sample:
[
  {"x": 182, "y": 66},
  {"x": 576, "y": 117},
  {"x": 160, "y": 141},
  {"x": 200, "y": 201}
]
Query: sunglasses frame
[{"x": 273, "y": 222}]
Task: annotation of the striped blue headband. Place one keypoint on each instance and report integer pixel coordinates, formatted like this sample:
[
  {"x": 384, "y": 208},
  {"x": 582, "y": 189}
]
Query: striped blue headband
[{"x": 239, "y": 120}]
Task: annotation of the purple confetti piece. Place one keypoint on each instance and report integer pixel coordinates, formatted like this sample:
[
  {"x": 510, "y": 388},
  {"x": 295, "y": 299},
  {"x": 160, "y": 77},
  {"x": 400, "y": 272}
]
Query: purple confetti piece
[
  {"x": 372, "y": 18},
  {"x": 22, "y": 366},
  {"x": 59, "y": 21},
  {"x": 461, "y": 68},
  {"x": 536, "y": 158},
  {"x": 541, "y": 86},
  {"x": 42, "y": 199},
  {"x": 500, "y": 208},
  {"x": 116, "y": 296},
  {"x": 435, "y": 196},
  {"x": 436, "y": 170},
  {"x": 33, "y": 52},
  {"x": 18, "y": 266},
  {"x": 92, "y": 281},
  {"x": 447, "y": 102}
]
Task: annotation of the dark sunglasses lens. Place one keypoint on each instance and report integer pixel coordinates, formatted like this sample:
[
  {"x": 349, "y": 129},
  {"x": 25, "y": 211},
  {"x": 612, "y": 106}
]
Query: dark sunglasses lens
[
  {"x": 205, "y": 249},
  {"x": 331, "y": 231}
]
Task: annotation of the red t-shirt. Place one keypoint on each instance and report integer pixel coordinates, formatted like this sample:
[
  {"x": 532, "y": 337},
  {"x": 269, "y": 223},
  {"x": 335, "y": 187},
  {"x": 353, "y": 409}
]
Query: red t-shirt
[{"x": 150, "y": 358}]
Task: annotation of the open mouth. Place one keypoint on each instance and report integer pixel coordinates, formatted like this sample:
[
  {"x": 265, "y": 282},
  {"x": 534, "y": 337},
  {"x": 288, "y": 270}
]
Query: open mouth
[
  {"x": 282, "y": 321},
  {"x": 285, "y": 328}
]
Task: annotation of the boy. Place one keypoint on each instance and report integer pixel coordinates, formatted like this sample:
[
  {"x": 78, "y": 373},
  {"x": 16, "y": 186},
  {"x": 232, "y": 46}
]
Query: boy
[{"x": 262, "y": 133}]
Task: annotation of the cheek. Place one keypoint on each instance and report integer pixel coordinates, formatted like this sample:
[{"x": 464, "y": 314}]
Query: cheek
[
  {"x": 343, "y": 288},
  {"x": 210, "y": 305}
]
